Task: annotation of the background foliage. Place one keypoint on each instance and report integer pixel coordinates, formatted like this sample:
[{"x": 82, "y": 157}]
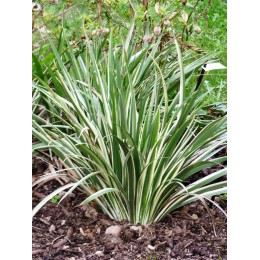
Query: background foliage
[{"x": 205, "y": 30}]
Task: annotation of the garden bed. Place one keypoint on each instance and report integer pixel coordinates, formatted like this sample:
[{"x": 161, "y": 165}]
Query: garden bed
[
  {"x": 115, "y": 102},
  {"x": 70, "y": 232}
]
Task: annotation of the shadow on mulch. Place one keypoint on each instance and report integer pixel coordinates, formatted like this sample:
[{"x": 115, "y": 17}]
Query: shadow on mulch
[{"x": 67, "y": 232}]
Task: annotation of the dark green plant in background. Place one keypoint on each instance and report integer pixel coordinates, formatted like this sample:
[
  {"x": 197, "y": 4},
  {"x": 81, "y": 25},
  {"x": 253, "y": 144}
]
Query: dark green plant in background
[{"x": 199, "y": 26}]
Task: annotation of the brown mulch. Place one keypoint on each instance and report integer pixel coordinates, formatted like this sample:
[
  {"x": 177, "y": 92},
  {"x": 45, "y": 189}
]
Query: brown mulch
[{"x": 68, "y": 232}]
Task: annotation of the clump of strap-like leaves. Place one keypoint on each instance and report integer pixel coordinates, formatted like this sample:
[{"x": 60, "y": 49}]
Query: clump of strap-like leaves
[{"x": 121, "y": 121}]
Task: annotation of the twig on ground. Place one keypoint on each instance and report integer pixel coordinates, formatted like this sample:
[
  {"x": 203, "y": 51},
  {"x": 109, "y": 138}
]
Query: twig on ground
[
  {"x": 66, "y": 238},
  {"x": 46, "y": 222},
  {"x": 38, "y": 251},
  {"x": 38, "y": 228},
  {"x": 189, "y": 243}
]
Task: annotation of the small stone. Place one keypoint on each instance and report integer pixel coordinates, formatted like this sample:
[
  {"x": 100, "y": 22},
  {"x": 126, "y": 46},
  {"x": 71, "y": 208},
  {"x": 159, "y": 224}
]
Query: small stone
[
  {"x": 134, "y": 228},
  {"x": 113, "y": 230},
  {"x": 63, "y": 222},
  {"x": 99, "y": 253},
  {"x": 200, "y": 207},
  {"x": 150, "y": 247},
  {"x": 137, "y": 229},
  {"x": 194, "y": 216}
]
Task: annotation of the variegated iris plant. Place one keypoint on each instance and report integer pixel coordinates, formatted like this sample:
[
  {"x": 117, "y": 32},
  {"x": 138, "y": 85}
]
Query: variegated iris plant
[{"x": 121, "y": 121}]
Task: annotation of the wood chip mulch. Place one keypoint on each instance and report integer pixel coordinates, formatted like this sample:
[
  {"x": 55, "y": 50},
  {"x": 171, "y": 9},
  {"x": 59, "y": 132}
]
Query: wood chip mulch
[{"x": 68, "y": 232}]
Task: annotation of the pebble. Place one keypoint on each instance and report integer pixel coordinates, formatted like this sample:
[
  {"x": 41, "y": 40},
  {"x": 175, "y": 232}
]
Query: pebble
[
  {"x": 194, "y": 216},
  {"x": 113, "y": 230},
  {"x": 134, "y": 228},
  {"x": 137, "y": 229},
  {"x": 150, "y": 247},
  {"x": 200, "y": 207},
  {"x": 99, "y": 253}
]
